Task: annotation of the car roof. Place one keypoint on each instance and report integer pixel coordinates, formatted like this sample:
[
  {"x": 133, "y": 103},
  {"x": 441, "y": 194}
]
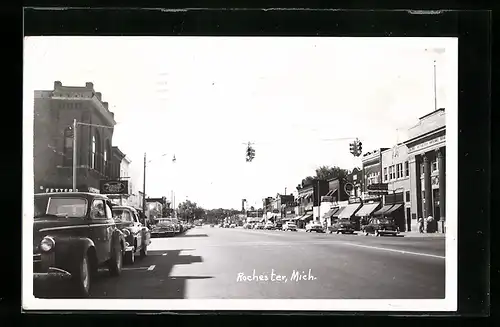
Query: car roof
[{"x": 72, "y": 194}]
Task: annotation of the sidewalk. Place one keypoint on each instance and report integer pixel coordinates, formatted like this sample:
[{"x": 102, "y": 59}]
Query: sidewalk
[{"x": 423, "y": 235}]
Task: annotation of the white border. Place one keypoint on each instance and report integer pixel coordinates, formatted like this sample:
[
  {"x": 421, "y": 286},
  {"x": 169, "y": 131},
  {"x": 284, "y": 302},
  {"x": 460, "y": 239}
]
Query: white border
[{"x": 29, "y": 302}]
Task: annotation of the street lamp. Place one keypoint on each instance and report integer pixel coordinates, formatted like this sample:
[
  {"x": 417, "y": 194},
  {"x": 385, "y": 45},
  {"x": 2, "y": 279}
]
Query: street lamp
[{"x": 75, "y": 125}]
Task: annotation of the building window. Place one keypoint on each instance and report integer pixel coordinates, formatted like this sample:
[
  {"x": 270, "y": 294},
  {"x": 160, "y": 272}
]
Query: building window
[
  {"x": 407, "y": 169},
  {"x": 434, "y": 166},
  {"x": 407, "y": 196},
  {"x": 399, "y": 168},
  {"x": 93, "y": 157},
  {"x": 105, "y": 161},
  {"x": 385, "y": 174},
  {"x": 391, "y": 172}
]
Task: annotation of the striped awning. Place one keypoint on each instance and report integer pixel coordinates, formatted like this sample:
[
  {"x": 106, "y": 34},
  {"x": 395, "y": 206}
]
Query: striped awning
[
  {"x": 306, "y": 217},
  {"x": 331, "y": 192},
  {"x": 338, "y": 212},
  {"x": 383, "y": 210},
  {"x": 330, "y": 213},
  {"x": 350, "y": 210},
  {"x": 393, "y": 209},
  {"x": 367, "y": 209}
]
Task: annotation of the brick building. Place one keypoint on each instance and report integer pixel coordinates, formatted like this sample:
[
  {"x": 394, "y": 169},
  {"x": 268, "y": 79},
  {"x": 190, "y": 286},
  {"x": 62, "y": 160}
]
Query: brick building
[
  {"x": 372, "y": 168},
  {"x": 54, "y": 112}
]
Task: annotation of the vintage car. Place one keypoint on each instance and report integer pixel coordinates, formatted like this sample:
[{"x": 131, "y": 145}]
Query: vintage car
[
  {"x": 163, "y": 227},
  {"x": 289, "y": 226},
  {"x": 269, "y": 226},
  {"x": 342, "y": 226},
  {"x": 232, "y": 226},
  {"x": 136, "y": 234},
  {"x": 258, "y": 226},
  {"x": 314, "y": 227},
  {"x": 380, "y": 227},
  {"x": 177, "y": 225},
  {"x": 74, "y": 233}
]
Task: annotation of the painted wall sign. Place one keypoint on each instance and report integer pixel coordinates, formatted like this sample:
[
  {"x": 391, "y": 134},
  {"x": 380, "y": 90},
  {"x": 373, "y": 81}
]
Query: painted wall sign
[
  {"x": 59, "y": 190},
  {"x": 114, "y": 187},
  {"x": 428, "y": 143}
]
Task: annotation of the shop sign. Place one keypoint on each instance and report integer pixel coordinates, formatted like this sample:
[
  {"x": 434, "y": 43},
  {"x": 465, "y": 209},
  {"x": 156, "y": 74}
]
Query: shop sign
[
  {"x": 428, "y": 143},
  {"x": 59, "y": 190},
  {"x": 378, "y": 187},
  {"x": 348, "y": 187},
  {"x": 114, "y": 187}
]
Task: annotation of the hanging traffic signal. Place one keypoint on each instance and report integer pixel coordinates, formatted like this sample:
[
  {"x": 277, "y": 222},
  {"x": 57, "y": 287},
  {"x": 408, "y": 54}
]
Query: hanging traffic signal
[
  {"x": 68, "y": 132},
  {"x": 359, "y": 148},
  {"x": 352, "y": 148},
  {"x": 250, "y": 153}
]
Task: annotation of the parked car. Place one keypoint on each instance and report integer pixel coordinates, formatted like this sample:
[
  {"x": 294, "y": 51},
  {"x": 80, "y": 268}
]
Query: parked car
[
  {"x": 380, "y": 227},
  {"x": 289, "y": 226},
  {"x": 74, "y": 233},
  {"x": 163, "y": 227},
  {"x": 314, "y": 227},
  {"x": 226, "y": 225},
  {"x": 212, "y": 225},
  {"x": 278, "y": 226},
  {"x": 232, "y": 226},
  {"x": 342, "y": 226},
  {"x": 177, "y": 225},
  {"x": 136, "y": 234},
  {"x": 248, "y": 226},
  {"x": 258, "y": 226},
  {"x": 269, "y": 226}
]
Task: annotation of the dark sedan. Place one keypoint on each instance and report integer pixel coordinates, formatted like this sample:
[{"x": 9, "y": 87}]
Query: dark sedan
[
  {"x": 342, "y": 226},
  {"x": 73, "y": 234},
  {"x": 380, "y": 227}
]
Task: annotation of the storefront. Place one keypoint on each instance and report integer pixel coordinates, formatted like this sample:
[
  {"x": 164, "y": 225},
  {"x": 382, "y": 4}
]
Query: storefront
[
  {"x": 328, "y": 216},
  {"x": 366, "y": 211},
  {"x": 349, "y": 213},
  {"x": 427, "y": 167},
  {"x": 65, "y": 188}
]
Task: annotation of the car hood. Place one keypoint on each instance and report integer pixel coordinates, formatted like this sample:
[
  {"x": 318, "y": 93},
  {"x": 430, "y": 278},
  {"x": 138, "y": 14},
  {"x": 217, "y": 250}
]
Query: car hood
[{"x": 55, "y": 227}]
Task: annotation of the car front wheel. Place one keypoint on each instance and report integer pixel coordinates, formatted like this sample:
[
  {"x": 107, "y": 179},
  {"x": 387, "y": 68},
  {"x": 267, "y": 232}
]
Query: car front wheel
[
  {"x": 129, "y": 257},
  {"x": 81, "y": 277}
]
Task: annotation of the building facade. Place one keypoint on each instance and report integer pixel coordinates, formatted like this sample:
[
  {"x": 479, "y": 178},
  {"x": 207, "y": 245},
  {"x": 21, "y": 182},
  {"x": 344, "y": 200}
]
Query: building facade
[
  {"x": 355, "y": 177},
  {"x": 427, "y": 167},
  {"x": 54, "y": 112},
  {"x": 309, "y": 201},
  {"x": 372, "y": 168},
  {"x": 396, "y": 174}
]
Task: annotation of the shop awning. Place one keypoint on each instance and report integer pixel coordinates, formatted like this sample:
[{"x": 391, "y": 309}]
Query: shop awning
[
  {"x": 331, "y": 192},
  {"x": 338, "y": 212},
  {"x": 393, "y": 209},
  {"x": 306, "y": 194},
  {"x": 306, "y": 217},
  {"x": 367, "y": 209},
  {"x": 349, "y": 210},
  {"x": 330, "y": 213},
  {"x": 383, "y": 210}
]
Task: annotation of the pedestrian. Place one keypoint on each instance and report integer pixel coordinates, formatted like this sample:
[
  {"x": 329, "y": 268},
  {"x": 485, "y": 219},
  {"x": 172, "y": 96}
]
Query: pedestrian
[
  {"x": 430, "y": 219},
  {"x": 421, "y": 225}
]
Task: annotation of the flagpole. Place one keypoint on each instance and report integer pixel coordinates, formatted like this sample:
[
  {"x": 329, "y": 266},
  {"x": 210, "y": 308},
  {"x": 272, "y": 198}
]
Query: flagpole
[{"x": 435, "y": 87}]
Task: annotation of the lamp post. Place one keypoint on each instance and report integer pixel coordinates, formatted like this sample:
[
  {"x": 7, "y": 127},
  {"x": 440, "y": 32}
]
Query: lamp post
[{"x": 75, "y": 125}]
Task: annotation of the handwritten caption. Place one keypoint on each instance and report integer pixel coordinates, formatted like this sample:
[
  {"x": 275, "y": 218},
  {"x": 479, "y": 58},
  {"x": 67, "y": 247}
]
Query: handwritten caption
[{"x": 295, "y": 276}]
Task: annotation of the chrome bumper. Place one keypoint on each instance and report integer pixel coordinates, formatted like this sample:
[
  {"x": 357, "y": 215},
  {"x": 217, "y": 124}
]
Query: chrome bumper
[
  {"x": 52, "y": 273},
  {"x": 381, "y": 231}
]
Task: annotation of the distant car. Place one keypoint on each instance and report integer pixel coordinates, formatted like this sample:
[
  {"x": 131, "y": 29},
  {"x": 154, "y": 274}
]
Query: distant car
[
  {"x": 247, "y": 226},
  {"x": 74, "y": 233},
  {"x": 163, "y": 227},
  {"x": 212, "y": 225},
  {"x": 232, "y": 226},
  {"x": 269, "y": 226},
  {"x": 137, "y": 236},
  {"x": 226, "y": 225},
  {"x": 258, "y": 226},
  {"x": 380, "y": 227},
  {"x": 278, "y": 226},
  {"x": 342, "y": 226},
  {"x": 289, "y": 226},
  {"x": 314, "y": 227}
]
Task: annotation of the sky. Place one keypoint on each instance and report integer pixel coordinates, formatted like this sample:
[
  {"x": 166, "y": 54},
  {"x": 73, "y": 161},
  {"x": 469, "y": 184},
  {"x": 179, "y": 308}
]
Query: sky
[{"x": 298, "y": 100}]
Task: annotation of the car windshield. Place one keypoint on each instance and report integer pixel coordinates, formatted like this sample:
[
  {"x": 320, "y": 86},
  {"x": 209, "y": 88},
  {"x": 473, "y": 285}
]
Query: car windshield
[
  {"x": 386, "y": 221},
  {"x": 122, "y": 214},
  {"x": 69, "y": 207}
]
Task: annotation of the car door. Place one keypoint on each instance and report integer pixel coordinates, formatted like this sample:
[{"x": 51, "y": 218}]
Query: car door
[{"x": 101, "y": 227}]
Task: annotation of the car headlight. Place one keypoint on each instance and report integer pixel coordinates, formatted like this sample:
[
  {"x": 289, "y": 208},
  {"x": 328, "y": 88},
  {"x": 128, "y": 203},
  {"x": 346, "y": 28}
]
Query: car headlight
[{"x": 47, "y": 244}]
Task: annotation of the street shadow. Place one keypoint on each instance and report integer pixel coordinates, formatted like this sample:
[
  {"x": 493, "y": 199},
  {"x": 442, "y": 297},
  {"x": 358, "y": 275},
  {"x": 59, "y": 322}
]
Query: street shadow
[{"x": 192, "y": 235}]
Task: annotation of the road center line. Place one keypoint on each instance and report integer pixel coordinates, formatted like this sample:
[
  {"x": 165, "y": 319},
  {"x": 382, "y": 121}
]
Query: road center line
[
  {"x": 398, "y": 251},
  {"x": 134, "y": 268},
  {"x": 151, "y": 267}
]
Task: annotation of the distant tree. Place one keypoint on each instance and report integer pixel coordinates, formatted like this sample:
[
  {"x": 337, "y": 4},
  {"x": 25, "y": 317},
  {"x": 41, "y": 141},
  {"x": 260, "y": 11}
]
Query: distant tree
[
  {"x": 326, "y": 172},
  {"x": 309, "y": 180},
  {"x": 189, "y": 210}
]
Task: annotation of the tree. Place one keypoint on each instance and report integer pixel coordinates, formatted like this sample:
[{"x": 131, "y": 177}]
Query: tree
[
  {"x": 309, "y": 180},
  {"x": 188, "y": 210},
  {"x": 325, "y": 172}
]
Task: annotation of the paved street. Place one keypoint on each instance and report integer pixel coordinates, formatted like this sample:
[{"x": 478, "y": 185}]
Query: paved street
[{"x": 205, "y": 263}]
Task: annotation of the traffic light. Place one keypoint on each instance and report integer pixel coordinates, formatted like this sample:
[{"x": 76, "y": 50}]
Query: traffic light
[
  {"x": 250, "y": 154},
  {"x": 352, "y": 148},
  {"x": 359, "y": 148},
  {"x": 68, "y": 132}
]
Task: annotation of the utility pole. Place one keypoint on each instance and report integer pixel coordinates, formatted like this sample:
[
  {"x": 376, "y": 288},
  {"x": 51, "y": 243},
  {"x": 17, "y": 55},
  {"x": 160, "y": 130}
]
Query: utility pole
[
  {"x": 74, "y": 155},
  {"x": 319, "y": 205},
  {"x": 144, "y": 187}
]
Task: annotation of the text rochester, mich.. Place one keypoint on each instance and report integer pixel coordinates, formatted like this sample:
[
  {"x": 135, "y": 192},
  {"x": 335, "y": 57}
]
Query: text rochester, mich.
[{"x": 295, "y": 276}]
